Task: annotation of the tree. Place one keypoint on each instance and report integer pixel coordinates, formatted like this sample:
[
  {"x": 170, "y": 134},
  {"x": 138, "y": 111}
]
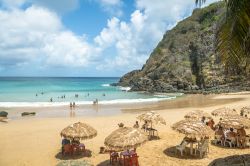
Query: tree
[{"x": 233, "y": 35}]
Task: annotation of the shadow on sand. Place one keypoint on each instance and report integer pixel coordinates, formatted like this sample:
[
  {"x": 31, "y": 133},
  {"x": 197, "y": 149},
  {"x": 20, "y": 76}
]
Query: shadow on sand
[
  {"x": 171, "y": 152},
  {"x": 104, "y": 163},
  {"x": 239, "y": 160},
  {"x": 87, "y": 153}
]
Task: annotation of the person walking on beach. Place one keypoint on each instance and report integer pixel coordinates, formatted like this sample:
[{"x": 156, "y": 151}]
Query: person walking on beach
[
  {"x": 51, "y": 99},
  {"x": 136, "y": 125},
  {"x": 74, "y": 104}
]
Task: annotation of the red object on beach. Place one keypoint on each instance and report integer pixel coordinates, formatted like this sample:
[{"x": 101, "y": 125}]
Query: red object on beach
[
  {"x": 129, "y": 158},
  {"x": 67, "y": 149},
  {"x": 78, "y": 148},
  {"x": 113, "y": 157},
  {"x": 134, "y": 160}
]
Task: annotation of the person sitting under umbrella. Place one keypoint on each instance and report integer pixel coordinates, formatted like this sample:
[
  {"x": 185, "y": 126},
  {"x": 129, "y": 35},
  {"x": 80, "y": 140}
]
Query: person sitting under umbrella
[
  {"x": 64, "y": 142},
  {"x": 145, "y": 125},
  {"x": 211, "y": 123},
  {"x": 241, "y": 137},
  {"x": 136, "y": 125},
  {"x": 219, "y": 134}
]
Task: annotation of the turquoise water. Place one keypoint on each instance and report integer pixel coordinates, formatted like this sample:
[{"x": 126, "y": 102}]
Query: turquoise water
[{"x": 22, "y": 91}]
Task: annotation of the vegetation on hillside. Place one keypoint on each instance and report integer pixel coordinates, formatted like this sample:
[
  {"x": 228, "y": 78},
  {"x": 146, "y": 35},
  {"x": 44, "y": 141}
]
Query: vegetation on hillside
[{"x": 233, "y": 36}]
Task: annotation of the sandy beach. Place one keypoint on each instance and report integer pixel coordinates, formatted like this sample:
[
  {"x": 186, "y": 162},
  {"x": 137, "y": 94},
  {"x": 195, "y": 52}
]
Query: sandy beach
[{"x": 35, "y": 141}]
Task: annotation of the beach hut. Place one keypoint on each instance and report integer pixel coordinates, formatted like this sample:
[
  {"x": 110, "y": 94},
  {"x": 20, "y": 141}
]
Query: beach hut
[
  {"x": 152, "y": 118},
  {"x": 194, "y": 130},
  {"x": 197, "y": 114},
  {"x": 224, "y": 111},
  {"x": 79, "y": 131}
]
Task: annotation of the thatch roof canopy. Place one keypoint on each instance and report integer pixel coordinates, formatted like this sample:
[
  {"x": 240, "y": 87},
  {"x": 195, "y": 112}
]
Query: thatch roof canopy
[
  {"x": 197, "y": 114},
  {"x": 125, "y": 138},
  {"x": 225, "y": 111},
  {"x": 152, "y": 117},
  {"x": 79, "y": 130},
  {"x": 245, "y": 110},
  {"x": 235, "y": 121},
  {"x": 192, "y": 128}
]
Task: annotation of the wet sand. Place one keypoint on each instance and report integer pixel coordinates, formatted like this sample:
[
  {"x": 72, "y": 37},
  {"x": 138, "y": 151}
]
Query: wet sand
[{"x": 185, "y": 101}]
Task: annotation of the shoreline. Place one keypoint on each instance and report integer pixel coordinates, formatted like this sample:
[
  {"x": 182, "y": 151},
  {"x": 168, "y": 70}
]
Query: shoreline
[
  {"x": 37, "y": 141},
  {"x": 185, "y": 101}
]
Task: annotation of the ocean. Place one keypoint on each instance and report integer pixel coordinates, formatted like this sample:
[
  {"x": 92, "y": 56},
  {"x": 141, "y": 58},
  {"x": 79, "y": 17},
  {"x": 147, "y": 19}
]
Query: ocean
[{"x": 39, "y": 91}]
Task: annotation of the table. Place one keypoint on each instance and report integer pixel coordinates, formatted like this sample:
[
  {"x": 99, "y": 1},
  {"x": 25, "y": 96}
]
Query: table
[
  {"x": 152, "y": 131},
  {"x": 127, "y": 156},
  {"x": 191, "y": 142}
]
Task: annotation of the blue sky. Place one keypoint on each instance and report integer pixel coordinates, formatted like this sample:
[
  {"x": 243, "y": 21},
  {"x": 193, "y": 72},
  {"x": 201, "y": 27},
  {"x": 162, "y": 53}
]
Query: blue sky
[{"x": 83, "y": 37}]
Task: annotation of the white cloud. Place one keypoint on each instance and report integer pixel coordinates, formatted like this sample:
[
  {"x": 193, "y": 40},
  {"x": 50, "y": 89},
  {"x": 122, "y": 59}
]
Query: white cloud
[
  {"x": 37, "y": 34},
  {"x": 12, "y": 3},
  {"x": 111, "y": 2},
  {"x": 112, "y": 6},
  {"x": 59, "y": 6},
  {"x": 135, "y": 40}
]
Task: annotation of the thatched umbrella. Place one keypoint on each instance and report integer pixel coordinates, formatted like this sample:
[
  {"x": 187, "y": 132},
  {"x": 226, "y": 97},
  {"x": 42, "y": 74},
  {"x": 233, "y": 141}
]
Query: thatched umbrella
[
  {"x": 192, "y": 128},
  {"x": 225, "y": 111},
  {"x": 235, "y": 121},
  {"x": 125, "y": 138},
  {"x": 197, "y": 114},
  {"x": 245, "y": 110},
  {"x": 152, "y": 117},
  {"x": 79, "y": 131}
]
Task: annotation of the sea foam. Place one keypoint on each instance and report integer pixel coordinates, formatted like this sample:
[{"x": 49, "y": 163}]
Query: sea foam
[{"x": 102, "y": 102}]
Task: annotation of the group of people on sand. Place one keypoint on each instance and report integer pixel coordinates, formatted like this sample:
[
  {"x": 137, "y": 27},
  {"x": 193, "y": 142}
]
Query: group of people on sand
[
  {"x": 236, "y": 136},
  {"x": 145, "y": 126},
  {"x": 95, "y": 102},
  {"x": 72, "y": 104},
  {"x": 74, "y": 144}
]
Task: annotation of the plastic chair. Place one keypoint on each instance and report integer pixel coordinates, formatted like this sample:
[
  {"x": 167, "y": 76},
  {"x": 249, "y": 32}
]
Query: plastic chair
[
  {"x": 134, "y": 160},
  {"x": 202, "y": 148},
  {"x": 231, "y": 141},
  {"x": 181, "y": 147},
  {"x": 67, "y": 149},
  {"x": 218, "y": 139},
  {"x": 113, "y": 157}
]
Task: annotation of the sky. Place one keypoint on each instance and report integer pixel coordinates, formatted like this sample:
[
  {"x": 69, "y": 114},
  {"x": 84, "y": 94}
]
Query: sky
[{"x": 84, "y": 38}]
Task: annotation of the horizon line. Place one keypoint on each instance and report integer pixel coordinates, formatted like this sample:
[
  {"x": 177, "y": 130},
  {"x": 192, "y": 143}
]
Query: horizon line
[{"x": 59, "y": 77}]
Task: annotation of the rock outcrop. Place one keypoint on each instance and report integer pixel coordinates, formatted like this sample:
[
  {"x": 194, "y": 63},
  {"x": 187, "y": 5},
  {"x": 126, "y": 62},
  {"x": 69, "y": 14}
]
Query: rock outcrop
[{"x": 185, "y": 59}]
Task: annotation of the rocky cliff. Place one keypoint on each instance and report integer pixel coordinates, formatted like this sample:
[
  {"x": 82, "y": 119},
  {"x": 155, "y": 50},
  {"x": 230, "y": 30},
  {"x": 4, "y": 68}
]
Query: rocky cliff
[{"x": 185, "y": 59}]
